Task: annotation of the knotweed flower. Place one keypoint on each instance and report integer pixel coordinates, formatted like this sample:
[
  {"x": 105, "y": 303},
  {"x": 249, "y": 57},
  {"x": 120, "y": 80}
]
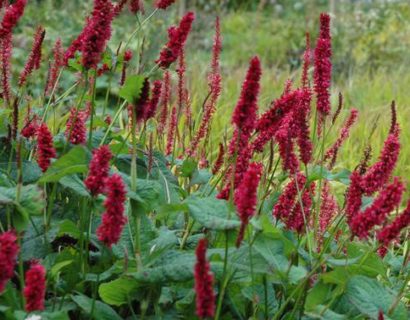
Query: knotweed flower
[
  {"x": 165, "y": 100},
  {"x": 9, "y": 250},
  {"x": 33, "y": 61},
  {"x": 323, "y": 66},
  {"x": 136, "y": 6},
  {"x": 154, "y": 101},
  {"x": 376, "y": 213},
  {"x": 56, "y": 66},
  {"x": 390, "y": 232},
  {"x": 163, "y": 4},
  {"x": 354, "y": 196},
  {"x": 119, "y": 7},
  {"x": 11, "y": 17},
  {"x": 219, "y": 160},
  {"x": 113, "y": 219},
  {"x": 6, "y": 47},
  {"x": 344, "y": 134},
  {"x": 205, "y": 296},
  {"x": 214, "y": 83},
  {"x": 246, "y": 196},
  {"x": 378, "y": 174},
  {"x": 286, "y": 147},
  {"x": 300, "y": 214},
  {"x": 302, "y": 125},
  {"x": 75, "y": 128},
  {"x": 45, "y": 147},
  {"x": 177, "y": 37},
  {"x": 99, "y": 170},
  {"x": 127, "y": 58},
  {"x": 172, "y": 126},
  {"x": 30, "y": 127},
  {"x": 142, "y": 104},
  {"x": 35, "y": 287},
  {"x": 98, "y": 33},
  {"x": 328, "y": 209}
]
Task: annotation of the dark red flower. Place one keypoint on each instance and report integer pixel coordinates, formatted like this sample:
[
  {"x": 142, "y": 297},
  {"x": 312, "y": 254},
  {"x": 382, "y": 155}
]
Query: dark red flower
[
  {"x": 35, "y": 287},
  {"x": 56, "y": 66},
  {"x": 6, "y": 47},
  {"x": 9, "y": 250},
  {"x": 75, "y": 128},
  {"x": 141, "y": 105},
  {"x": 128, "y": 55},
  {"x": 300, "y": 214},
  {"x": 30, "y": 127},
  {"x": 390, "y": 232},
  {"x": 378, "y": 174},
  {"x": 165, "y": 100},
  {"x": 172, "y": 126},
  {"x": 246, "y": 197},
  {"x": 98, "y": 32},
  {"x": 119, "y": 7},
  {"x": 219, "y": 160},
  {"x": 177, "y": 37},
  {"x": 163, "y": 4},
  {"x": 33, "y": 61},
  {"x": 45, "y": 147},
  {"x": 99, "y": 170},
  {"x": 376, "y": 213},
  {"x": 354, "y": 196},
  {"x": 113, "y": 219},
  {"x": 154, "y": 101},
  {"x": 136, "y": 6},
  {"x": 322, "y": 75},
  {"x": 302, "y": 126},
  {"x": 11, "y": 17},
  {"x": 284, "y": 136},
  {"x": 205, "y": 296}
]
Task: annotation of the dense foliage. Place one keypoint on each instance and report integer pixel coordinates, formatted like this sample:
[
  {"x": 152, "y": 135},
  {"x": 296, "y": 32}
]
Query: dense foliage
[{"x": 116, "y": 204}]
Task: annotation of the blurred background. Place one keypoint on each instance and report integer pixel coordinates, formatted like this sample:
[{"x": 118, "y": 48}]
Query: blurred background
[{"x": 371, "y": 45}]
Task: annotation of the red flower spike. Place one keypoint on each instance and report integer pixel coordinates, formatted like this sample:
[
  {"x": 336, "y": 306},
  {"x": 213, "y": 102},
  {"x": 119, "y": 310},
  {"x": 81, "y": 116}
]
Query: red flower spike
[
  {"x": 99, "y": 170},
  {"x": 354, "y": 196},
  {"x": 177, "y": 37},
  {"x": 35, "y": 287},
  {"x": 246, "y": 196},
  {"x": 56, "y": 66},
  {"x": 113, "y": 219},
  {"x": 45, "y": 147},
  {"x": 322, "y": 75},
  {"x": 165, "y": 100},
  {"x": 119, "y": 7},
  {"x": 344, "y": 134},
  {"x": 12, "y": 15},
  {"x": 302, "y": 123},
  {"x": 163, "y": 4},
  {"x": 6, "y": 47},
  {"x": 376, "y": 213},
  {"x": 136, "y": 6},
  {"x": 9, "y": 251},
  {"x": 390, "y": 232},
  {"x": 219, "y": 160},
  {"x": 378, "y": 174},
  {"x": 98, "y": 32},
  {"x": 30, "y": 127},
  {"x": 205, "y": 296},
  {"x": 300, "y": 214},
  {"x": 154, "y": 101},
  {"x": 75, "y": 129},
  {"x": 214, "y": 83},
  {"x": 172, "y": 126}
]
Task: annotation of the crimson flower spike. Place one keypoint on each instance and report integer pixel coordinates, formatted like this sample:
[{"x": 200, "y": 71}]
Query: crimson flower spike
[
  {"x": 177, "y": 36},
  {"x": 322, "y": 74},
  {"x": 75, "y": 128},
  {"x": 45, "y": 148},
  {"x": 11, "y": 17},
  {"x": 136, "y": 6},
  {"x": 99, "y": 170},
  {"x": 163, "y": 4},
  {"x": 33, "y": 61},
  {"x": 165, "y": 100},
  {"x": 35, "y": 287},
  {"x": 9, "y": 251},
  {"x": 246, "y": 197},
  {"x": 55, "y": 68},
  {"x": 113, "y": 219},
  {"x": 205, "y": 296}
]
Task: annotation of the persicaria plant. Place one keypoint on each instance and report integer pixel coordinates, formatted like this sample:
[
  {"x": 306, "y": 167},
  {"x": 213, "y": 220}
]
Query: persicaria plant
[{"x": 122, "y": 208}]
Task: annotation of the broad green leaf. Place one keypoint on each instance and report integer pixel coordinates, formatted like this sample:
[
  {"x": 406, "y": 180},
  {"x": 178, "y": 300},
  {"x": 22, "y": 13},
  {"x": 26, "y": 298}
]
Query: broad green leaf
[
  {"x": 200, "y": 176},
  {"x": 117, "y": 292},
  {"x": 212, "y": 213},
  {"x": 257, "y": 293},
  {"x": 369, "y": 297},
  {"x": 272, "y": 251},
  {"x": 59, "y": 266},
  {"x": 317, "y": 295},
  {"x": 74, "y": 183},
  {"x": 75, "y": 161},
  {"x": 188, "y": 167},
  {"x": 101, "y": 311},
  {"x": 131, "y": 89}
]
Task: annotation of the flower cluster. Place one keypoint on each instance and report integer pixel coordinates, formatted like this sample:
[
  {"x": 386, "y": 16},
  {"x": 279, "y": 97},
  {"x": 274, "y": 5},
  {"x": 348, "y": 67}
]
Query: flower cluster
[
  {"x": 55, "y": 67},
  {"x": 99, "y": 170},
  {"x": 11, "y": 17},
  {"x": 75, "y": 128},
  {"x": 246, "y": 196},
  {"x": 45, "y": 147},
  {"x": 177, "y": 37},
  {"x": 163, "y": 4},
  {"x": 113, "y": 219},
  {"x": 8, "y": 254},
  {"x": 35, "y": 287},
  {"x": 205, "y": 297}
]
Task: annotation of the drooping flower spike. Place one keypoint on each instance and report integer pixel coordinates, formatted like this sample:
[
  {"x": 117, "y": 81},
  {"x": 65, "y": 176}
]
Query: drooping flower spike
[
  {"x": 99, "y": 170},
  {"x": 35, "y": 287},
  {"x": 9, "y": 250},
  {"x": 45, "y": 147},
  {"x": 11, "y": 17}
]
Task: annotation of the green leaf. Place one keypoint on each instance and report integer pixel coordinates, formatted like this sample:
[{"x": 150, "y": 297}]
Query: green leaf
[
  {"x": 369, "y": 297},
  {"x": 75, "y": 161},
  {"x": 131, "y": 89},
  {"x": 101, "y": 310},
  {"x": 212, "y": 213},
  {"x": 74, "y": 183},
  {"x": 188, "y": 167},
  {"x": 117, "y": 292},
  {"x": 201, "y": 176},
  {"x": 55, "y": 270}
]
